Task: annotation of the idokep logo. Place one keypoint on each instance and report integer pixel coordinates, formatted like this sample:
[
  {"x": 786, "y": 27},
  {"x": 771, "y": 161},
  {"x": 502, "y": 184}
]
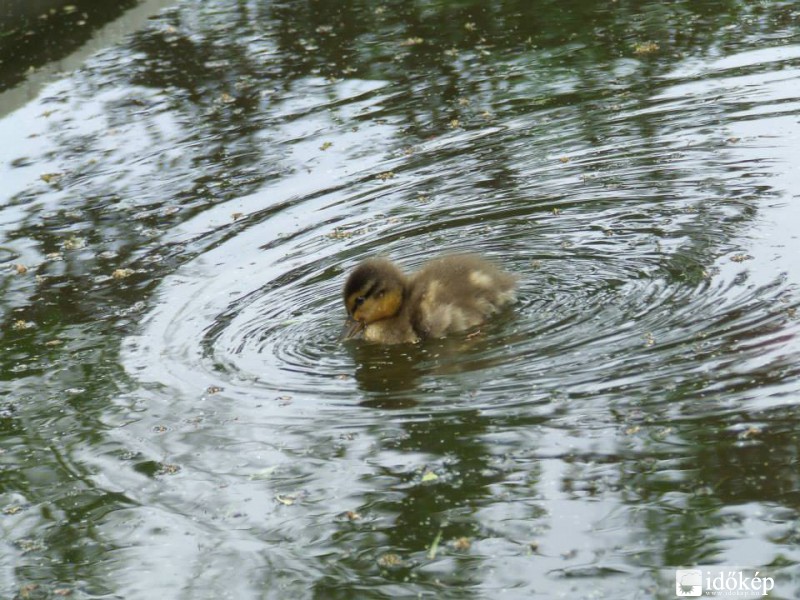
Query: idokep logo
[
  {"x": 688, "y": 582},
  {"x": 721, "y": 582}
]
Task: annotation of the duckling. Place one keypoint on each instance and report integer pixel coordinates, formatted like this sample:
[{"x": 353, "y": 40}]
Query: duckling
[{"x": 447, "y": 295}]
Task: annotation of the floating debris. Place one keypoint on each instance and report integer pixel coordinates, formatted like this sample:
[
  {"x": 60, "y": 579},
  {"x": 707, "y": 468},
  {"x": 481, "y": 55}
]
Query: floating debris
[
  {"x": 434, "y": 547},
  {"x": 325, "y": 146},
  {"x": 73, "y": 243},
  {"x": 385, "y": 175},
  {"x": 390, "y": 561},
  {"x": 643, "y": 48},
  {"x": 28, "y": 545},
  {"x": 168, "y": 469},
  {"x": 51, "y": 178},
  {"x": 12, "y": 510},
  {"x": 122, "y": 273},
  {"x": 751, "y": 432},
  {"x": 340, "y": 234},
  {"x": 429, "y": 476},
  {"x": 21, "y": 325},
  {"x": 462, "y": 544},
  {"x": 739, "y": 258},
  {"x": 263, "y": 473},
  {"x": 286, "y": 499},
  {"x": 454, "y": 124},
  {"x": 236, "y": 216},
  {"x": 213, "y": 389},
  {"x": 20, "y": 268},
  {"x": 26, "y": 592},
  {"x": 474, "y": 334},
  {"x": 412, "y": 41}
]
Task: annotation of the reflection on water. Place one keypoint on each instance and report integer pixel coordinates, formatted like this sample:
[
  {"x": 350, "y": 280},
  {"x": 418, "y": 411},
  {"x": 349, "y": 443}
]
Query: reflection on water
[{"x": 179, "y": 217}]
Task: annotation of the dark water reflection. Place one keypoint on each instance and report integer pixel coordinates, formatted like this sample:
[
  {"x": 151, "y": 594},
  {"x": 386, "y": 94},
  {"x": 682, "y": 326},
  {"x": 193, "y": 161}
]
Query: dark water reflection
[{"x": 178, "y": 218}]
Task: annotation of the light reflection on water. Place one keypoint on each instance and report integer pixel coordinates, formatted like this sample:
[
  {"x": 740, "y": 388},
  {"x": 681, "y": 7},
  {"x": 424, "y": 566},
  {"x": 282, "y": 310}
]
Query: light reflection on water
[{"x": 634, "y": 411}]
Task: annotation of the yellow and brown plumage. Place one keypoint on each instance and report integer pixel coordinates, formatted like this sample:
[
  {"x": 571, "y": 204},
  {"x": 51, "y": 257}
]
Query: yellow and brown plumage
[{"x": 447, "y": 295}]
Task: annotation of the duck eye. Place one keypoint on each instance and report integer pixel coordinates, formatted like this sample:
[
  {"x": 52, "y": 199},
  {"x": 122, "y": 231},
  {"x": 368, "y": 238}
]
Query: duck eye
[{"x": 359, "y": 301}]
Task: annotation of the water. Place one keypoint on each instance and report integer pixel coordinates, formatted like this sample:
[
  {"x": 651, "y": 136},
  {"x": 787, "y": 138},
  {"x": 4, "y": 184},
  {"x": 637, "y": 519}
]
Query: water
[{"x": 178, "y": 418}]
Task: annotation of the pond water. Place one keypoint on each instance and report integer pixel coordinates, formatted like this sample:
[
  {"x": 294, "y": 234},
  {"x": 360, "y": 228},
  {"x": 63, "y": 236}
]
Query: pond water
[{"x": 178, "y": 418}]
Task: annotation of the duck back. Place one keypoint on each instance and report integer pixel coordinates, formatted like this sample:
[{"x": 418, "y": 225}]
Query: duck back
[{"x": 455, "y": 293}]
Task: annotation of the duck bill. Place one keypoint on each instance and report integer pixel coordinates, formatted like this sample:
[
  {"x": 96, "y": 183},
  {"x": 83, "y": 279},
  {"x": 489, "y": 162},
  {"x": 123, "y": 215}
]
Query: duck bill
[{"x": 352, "y": 329}]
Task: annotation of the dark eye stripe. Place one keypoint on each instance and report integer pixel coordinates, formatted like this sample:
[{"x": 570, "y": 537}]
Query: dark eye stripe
[{"x": 368, "y": 291}]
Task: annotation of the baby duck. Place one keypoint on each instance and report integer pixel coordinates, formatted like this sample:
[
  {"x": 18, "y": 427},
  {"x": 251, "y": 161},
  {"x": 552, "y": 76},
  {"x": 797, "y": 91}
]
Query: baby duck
[{"x": 446, "y": 295}]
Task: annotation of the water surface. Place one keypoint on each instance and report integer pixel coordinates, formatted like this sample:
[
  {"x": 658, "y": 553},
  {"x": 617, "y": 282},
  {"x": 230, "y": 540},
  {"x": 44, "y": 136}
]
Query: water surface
[{"x": 178, "y": 418}]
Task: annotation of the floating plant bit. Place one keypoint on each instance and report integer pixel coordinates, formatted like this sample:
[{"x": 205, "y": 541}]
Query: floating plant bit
[
  {"x": 390, "y": 561},
  {"x": 122, "y": 273},
  {"x": 168, "y": 469},
  {"x": 51, "y": 178},
  {"x": 434, "y": 545},
  {"x": 429, "y": 476},
  {"x": 461, "y": 544},
  {"x": 263, "y": 473},
  {"x": 73, "y": 243},
  {"x": 290, "y": 499},
  {"x": 643, "y": 48}
]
